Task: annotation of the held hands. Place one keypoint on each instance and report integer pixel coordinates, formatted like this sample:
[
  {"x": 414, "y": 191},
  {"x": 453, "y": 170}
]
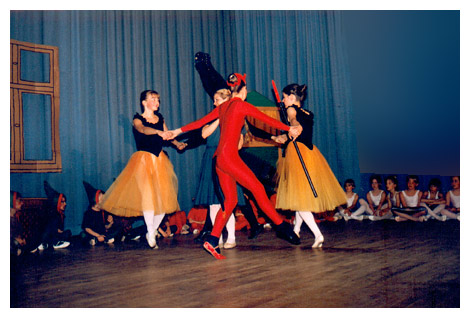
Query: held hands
[
  {"x": 281, "y": 139},
  {"x": 171, "y": 134},
  {"x": 295, "y": 131}
]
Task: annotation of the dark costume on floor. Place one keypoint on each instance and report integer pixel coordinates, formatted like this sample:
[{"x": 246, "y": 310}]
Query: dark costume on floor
[
  {"x": 96, "y": 220},
  {"x": 55, "y": 219}
]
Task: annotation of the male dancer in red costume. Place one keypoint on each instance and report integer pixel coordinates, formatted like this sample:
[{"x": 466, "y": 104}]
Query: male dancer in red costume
[{"x": 230, "y": 167}]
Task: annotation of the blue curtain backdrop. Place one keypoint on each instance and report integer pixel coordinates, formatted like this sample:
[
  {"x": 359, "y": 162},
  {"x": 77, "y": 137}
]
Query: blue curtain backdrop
[{"x": 108, "y": 57}]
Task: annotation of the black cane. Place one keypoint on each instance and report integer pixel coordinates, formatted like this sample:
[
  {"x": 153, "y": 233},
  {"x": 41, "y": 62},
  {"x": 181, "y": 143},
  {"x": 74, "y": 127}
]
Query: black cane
[{"x": 283, "y": 112}]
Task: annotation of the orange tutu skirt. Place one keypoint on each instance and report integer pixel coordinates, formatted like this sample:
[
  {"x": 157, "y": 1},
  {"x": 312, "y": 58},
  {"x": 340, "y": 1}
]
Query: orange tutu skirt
[
  {"x": 294, "y": 192},
  {"x": 147, "y": 183}
]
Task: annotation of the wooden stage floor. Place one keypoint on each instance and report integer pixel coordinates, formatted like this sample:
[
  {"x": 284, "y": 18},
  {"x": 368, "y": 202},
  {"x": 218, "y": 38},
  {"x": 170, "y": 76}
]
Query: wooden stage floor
[{"x": 366, "y": 264}]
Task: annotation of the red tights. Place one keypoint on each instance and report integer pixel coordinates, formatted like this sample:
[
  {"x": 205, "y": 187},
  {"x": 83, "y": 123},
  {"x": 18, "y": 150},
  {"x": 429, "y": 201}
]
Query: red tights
[{"x": 230, "y": 170}]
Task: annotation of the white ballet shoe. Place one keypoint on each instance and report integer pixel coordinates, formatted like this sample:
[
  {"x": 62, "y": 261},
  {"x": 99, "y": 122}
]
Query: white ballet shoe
[
  {"x": 151, "y": 241},
  {"x": 229, "y": 245},
  {"x": 318, "y": 242}
]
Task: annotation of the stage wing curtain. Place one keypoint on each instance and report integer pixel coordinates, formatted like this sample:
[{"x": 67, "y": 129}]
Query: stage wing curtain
[{"x": 108, "y": 57}]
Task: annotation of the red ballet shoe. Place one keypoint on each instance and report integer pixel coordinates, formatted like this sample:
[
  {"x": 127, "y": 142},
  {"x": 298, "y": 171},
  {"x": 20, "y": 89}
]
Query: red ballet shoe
[
  {"x": 211, "y": 247},
  {"x": 211, "y": 250}
]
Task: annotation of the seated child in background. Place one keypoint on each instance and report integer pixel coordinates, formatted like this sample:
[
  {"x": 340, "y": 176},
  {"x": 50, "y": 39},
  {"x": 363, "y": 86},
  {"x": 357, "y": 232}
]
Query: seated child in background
[
  {"x": 410, "y": 200},
  {"x": 98, "y": 225},
  {"x": 17, "y": 241},
  {"x": 433, "y": 200},
  {"x": 452, "y": 209},
  {"x": 375, "y": 205},
  {"x": 351, "y": 210},
  {"x": 393, "y": 196},
  {"x": 165, "y": 229},
  {"x": 392, "y": 200},
  {"x": 54, "y": 233}
]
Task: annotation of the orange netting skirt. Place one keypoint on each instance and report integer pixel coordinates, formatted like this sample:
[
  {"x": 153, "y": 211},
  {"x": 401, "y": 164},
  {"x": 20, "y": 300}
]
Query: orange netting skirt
[
  {"x": 147, "y": 183},
  {"x": 294, "y": 192}
]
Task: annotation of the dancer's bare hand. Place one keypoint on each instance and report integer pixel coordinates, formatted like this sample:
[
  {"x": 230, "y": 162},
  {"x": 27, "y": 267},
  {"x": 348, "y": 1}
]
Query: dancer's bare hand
[
  {"x": 180, "y": 145},
  {"x": 281, "y": 139},
  {"x": 171, "y": 134},
  {"x": 295, "y": 131}
]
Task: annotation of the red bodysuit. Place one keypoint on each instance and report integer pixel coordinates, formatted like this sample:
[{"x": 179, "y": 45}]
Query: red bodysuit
[{"x": 229, "y": 166}]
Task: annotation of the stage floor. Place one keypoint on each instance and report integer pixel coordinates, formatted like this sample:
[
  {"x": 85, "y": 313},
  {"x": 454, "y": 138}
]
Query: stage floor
[{"x": 366, "y": 264}]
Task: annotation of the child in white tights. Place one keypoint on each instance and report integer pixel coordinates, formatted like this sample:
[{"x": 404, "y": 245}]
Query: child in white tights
[
  {"x": 452, "y": 209},
  {"x": 410, "y": 200},
  {"x": 433, "y": 200},
  {"x": 392, "y": 199},
  {"x": 375, "y": 205},
  {"x": 351, "y": 210}
]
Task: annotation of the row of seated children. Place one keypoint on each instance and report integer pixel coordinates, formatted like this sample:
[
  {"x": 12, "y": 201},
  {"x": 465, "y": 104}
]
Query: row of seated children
[{"x": 410, "y": 204}]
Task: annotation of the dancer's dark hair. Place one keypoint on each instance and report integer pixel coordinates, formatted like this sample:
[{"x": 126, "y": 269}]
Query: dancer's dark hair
[
  {"x": 299, "y": 91},
  {"x": 351, "y": 182}
]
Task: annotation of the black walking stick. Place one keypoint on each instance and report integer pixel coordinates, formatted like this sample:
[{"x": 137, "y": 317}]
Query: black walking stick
[{"x": 283, "y": 112}]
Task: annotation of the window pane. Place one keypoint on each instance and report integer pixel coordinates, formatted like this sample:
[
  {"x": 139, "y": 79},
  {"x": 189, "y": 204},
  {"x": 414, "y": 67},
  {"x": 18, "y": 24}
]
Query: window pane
[
  {"x": 37, "y": 126},
  {"x": 35, "y": 67}
]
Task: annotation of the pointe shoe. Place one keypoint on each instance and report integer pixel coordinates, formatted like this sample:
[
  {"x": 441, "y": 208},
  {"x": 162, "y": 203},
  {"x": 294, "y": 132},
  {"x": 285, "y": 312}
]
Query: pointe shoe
[
  {"x": 211, "y": 247},
  {"x": 229, "y": 245},
  {"x": 151, "y": 241},
  {"x": 318, "y": 242},
  {"x": 285, "y": 232}
]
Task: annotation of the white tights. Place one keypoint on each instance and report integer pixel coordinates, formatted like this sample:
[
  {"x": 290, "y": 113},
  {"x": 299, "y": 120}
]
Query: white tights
[
  {"x": 230, "y": 226},
  {"x": 436, "y": 212},
  {"x": 152, "y": 221},
  {"x": 356, "y": 213},
  {"x": 306, "y": 216}
]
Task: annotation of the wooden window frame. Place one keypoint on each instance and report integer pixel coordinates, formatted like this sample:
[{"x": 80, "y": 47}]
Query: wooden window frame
[{"x": 18, "y": 163}]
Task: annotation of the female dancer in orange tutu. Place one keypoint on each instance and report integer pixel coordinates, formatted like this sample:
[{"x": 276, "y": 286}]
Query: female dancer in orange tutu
[
  {"x": 229, "y": 166},
  {"x": 294, "y": 192},
  {"x": 148, "y": 185}
]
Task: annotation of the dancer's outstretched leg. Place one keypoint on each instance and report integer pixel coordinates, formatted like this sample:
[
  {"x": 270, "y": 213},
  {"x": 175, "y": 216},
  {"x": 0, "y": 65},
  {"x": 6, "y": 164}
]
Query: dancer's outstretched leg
[{"x": 237, "y": 170}]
